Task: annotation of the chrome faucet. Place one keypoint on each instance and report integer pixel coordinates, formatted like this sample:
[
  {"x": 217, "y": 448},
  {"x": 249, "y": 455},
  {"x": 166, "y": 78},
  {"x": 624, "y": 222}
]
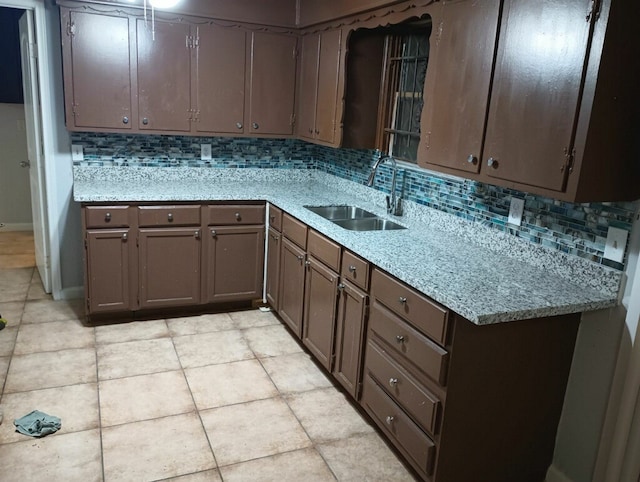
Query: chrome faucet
[{"x": 394, "y": 203}]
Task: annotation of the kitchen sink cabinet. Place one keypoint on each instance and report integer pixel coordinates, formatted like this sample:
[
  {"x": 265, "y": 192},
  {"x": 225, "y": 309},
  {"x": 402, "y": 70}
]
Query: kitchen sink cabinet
[
  {"x": 274, "y": 242},
  {"x": 319, "y": 82},
  {"x": 97, "y": 67}
]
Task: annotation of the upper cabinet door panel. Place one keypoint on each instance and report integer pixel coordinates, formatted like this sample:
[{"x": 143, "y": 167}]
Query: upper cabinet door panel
[
  {"x": 273, "y": 80},
  {"x": 458, "y": 80},
  {"x": 538, "y": 78},
  {"x": 101, "y": 85},
  {"x": 220, "y": 79},
  {"x": 164, "y": 76},
  {"x": 310, "y": 50},
  {"x": 328, "y": 70}
]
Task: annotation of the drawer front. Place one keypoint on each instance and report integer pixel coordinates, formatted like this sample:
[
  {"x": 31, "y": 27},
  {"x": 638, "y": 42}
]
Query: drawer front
[
  {"x": 294, "y": 230},
  {"x": 413, "y": 441},
  {"x": 107, "y": 216},
  {"x": 421, "y": 404},
  {"x": 275, "y": 217},
  {"x": 409, "y": 343},
  {"x": 219, "y": 215},
  {"x": 424, "y": 314},
  {"x": 169, "y": 216},
  {"x": 355, "y": 269},
  {"x": 324, "y": 250}
]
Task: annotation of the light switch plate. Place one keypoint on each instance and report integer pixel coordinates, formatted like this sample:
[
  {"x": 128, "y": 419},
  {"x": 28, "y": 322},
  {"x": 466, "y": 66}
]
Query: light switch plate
[
  {"x": 77, "y": 152},
  {"x": 516, "y": 210},
  {"x": 205, "y": 152},
  {"x": 616, "y": 244}
]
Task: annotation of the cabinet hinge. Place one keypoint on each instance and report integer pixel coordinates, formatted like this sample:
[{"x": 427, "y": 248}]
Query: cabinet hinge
[
  {"x": 196, "y": 42},
  {"x": 569, "y": 157},
  {"x": 85, "y": 243},
  {"x": 88, "y": 304},
  {"x": 192, "y": 42},
  {"x": 358, "y": 390},
  {"x": 292, "y": 119},
  {"x": 71, "y": 29},
  {"x": 594, "y": 10},
  {"x": 366, "y": 312},
  {"x": 439, "y": 33},
  {"x": 295, "y": 52}
]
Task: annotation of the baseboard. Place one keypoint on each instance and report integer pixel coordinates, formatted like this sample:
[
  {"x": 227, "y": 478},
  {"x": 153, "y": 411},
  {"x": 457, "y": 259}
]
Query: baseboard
[
  {"x": 16, "y": 226},
  {"x": 555, "y": 475},
  {"x": 73, "y": 293}
]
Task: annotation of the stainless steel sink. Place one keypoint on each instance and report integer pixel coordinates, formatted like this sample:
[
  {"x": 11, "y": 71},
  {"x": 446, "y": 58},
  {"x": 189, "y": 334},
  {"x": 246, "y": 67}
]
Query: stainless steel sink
[
  {"x": 340, "y": 212},
  {"x": 368, "y": 224}
]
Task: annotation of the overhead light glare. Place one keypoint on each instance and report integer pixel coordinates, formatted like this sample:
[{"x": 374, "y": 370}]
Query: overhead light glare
[{"x": 163, "y": 3}]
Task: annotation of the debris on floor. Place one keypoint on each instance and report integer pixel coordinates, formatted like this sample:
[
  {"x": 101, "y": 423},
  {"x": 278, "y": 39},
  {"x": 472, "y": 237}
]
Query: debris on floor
[
  {"x": 37, "y": 424},
  {"x": 3, "y": 323}
]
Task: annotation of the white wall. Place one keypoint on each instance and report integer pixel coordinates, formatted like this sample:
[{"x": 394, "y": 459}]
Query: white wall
[{"x": 15, "y": 195}]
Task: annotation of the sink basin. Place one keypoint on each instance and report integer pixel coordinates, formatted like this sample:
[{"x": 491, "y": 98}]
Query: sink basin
[
  {"x": 340, "y": 212},
  {"x": 368, "y": 224}
]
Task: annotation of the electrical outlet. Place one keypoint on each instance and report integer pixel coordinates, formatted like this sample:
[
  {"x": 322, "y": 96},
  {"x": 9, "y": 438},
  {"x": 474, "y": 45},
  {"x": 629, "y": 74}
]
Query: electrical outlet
[
  {"x": 616, "y": 244},
  {"x": 516, "y": 210},
  {"x": 77, "y": 152},
  {"x": 205, "y": 152}
]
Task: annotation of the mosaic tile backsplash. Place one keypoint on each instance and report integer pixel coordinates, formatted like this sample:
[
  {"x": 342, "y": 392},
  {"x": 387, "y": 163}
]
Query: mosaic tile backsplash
[{"x": 577, "y": 229}]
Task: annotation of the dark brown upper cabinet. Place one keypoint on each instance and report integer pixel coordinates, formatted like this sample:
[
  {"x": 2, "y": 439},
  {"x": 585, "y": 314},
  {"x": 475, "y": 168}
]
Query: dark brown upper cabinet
[
  {"x": 319, "y": 83},
  {"x": 96, "y": 64}
]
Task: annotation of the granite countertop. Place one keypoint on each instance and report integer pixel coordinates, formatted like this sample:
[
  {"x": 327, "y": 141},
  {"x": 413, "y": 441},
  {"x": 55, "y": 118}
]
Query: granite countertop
[{"x": 483, "y": 276}]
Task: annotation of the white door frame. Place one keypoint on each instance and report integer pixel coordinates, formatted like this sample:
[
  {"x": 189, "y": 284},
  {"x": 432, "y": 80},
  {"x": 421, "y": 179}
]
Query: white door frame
[{"x": 48, "y": 113}]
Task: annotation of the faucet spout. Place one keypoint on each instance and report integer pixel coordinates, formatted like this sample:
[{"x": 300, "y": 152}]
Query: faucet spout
[{"x": 394, "y": 204}]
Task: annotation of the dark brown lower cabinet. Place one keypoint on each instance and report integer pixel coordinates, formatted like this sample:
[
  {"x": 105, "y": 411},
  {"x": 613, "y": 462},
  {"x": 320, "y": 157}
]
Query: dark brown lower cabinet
[
  {"x": 320, "y": 300},
  {"x": 292, "y": 277},
  {"x": 235, "y": 263},
  {"x": 273, "y": 268},
  {"x": 169, "y": 264},
  {"x": 108, "y": 262},
  {"x": 349, "y": 337}
]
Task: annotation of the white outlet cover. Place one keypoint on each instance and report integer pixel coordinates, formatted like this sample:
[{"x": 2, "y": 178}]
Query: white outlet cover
[
  {"x": 516, "y": 210},
  {"x": 77, "y": 152},
  {"x": 205, "y": 152},
  {"x": 616, "y": 244}
]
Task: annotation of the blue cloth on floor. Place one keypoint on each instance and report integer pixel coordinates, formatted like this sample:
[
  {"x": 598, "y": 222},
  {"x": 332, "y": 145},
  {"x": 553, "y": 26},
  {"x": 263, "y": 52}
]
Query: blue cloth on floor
[{"x": 37, "y": 424}]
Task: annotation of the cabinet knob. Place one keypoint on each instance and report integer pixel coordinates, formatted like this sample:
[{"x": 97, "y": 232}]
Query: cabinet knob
[
  {"x": 390, "y": 419},
  {"x": 238, "y": 217},
  {"x": 300, "y": 257},
  {"x": 472, "y": 159},
  {"x": 239, "y": 125},
  {"x": 125, "y": 237},
  {"x": 255, "y": 125},
  {"x": 197, "y": 234},
  {"x": 317, "y": 131},
  {"x": 491, "y": 162},
  {"x": 125, "y": 120},
  {"x": 399, "y": 338},
  {"x": 310, "y": 130},
  {"x": 170, "y": 217},
  {"x": 145, "y": 121},
  {"x": 275, "y": 237},
  {"x": 213, "y": 233},
  {"x": 402, "y": 300},
  {"x": 340, "y": 286},
  {"x": 307, "y": 263},
  {"x": 393, "y": 382},
  {"x": 352, "y": 269},
  {"x": 107, "y": 217}
]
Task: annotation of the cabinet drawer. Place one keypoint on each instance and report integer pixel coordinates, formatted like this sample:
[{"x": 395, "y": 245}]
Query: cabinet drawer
[
  {"x": 355, "y": 269},
  {"x": 426, "y": 315},
  {"x": 294, "y": 230},
  {"x": 107, "y": 216},
  {"x": 419, "y": 402},
  {"x": 275, "y": 217},
  {"x": 409, "y": 343},
  {"x": 413, "y": 441},
  {"x": 234, "y": 214},
  {"x": 325, "y": 250},
  {"x": 168, "y": 215}
]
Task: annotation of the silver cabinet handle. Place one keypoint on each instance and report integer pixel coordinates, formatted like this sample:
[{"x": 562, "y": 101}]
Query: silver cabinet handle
[
  {"x": 390, "y": 419},
  {"x": 255, "y": 125},
  {"x": 213, "y": 233},
  {"x": 472, "y": 159},
  {"x": 197, "y": 234},
  {"x": 239, "y": 125},
  {"x": 340, "y": 286},
  {"x": 107, "y": 217},
  {"x": 275, "y": 237},
  {"x": 310, "y": 130},
  {"x": 352, "y": 269},
  {"x": 491, "y": 162},
  {"x": 125, "y": 120},
  {"x": 393, "y": 382},
  {"x": 300, "y": 257},
  {"x": 402, "y": 300},
  {"x": 125, "y": 237},
  {"x": 238, "y": 217},
  {"x": 145, "y": 121},
  {"x": 317, "y": 131},
  {"x": 399, "y": 338},
  {"x": 307, "y": 263},
  {"x": 170, "y": 217}
]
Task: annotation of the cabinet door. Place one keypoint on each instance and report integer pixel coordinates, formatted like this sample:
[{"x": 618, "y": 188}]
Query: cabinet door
[
  {"x": 350, "y": 330},
  {"x": 272, "y": 83},
  {"x": 97, "y": 71},
  {"x": 327, "y": 98},
  {"x": 536, "y": 90},
  {"x": 108, "y": 276},
  {"x": 273, "y": 268},
  {"x": 169, "y": 264},
  {"x": 235, "y": 263},
  {"x": 307, "y": 102},
  {"x": 321, "y": 297},
  {"x": 220, "y": 79},
  {"x": 458, "y": 80},
  {"x": 292, "y": 274},
  {"x": 164, "y": 76}
]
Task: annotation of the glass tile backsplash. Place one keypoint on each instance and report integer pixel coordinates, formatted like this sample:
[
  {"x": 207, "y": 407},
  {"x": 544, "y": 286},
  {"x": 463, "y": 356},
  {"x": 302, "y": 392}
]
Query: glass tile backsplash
[{"x": 577, "y": 229}]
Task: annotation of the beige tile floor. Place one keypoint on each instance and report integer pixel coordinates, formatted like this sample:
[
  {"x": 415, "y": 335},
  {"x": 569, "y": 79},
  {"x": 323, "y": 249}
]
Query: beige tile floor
[{"x": 223, "y": 397}]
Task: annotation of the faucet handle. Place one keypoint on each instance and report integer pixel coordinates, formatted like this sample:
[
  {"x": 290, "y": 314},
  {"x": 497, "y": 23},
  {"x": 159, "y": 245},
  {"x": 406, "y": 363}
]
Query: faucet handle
[{"x": 389, "y": 206}]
